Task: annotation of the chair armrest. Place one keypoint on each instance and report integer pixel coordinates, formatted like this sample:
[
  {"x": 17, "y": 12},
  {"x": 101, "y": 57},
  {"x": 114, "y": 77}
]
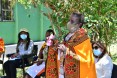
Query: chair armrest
[
  {"x": 9, "y": 55},
  {"x": 27, "y": 56}
]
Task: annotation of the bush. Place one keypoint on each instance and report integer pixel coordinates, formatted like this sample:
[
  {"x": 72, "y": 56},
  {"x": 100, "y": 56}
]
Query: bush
[{"x": 114, "y": 58}]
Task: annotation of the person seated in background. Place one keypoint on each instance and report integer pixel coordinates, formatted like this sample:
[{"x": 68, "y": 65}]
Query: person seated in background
[
  {"x": 103, "y": 62},
  {"x": 114, "y": 71},
  {"x": 24, "y": 47},
  {"x": 38, "y": 68}
]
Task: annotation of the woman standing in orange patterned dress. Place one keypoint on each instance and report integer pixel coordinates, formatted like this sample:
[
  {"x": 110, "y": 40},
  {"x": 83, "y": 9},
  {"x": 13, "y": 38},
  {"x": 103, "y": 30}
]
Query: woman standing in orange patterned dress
[{"x": 79, "y": 61}]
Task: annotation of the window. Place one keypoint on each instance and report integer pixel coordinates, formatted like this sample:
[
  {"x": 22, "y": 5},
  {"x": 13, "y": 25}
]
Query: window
[{"x": 6, "y": 12}]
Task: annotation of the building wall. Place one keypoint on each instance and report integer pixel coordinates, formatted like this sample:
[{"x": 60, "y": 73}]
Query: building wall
[
  {"x": 7, "y": 31},
  {"x": 31, "y": 19}
]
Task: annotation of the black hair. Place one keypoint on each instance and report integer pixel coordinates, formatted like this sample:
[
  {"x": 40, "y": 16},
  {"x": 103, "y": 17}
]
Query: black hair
[
  {"x": 80, "y": 18},
  {"x": 102, "y": 46},
  {"x": 50, "y": 31}
]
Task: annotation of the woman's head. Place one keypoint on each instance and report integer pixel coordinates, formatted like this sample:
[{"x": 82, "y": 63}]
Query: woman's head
[
  {"x": 23, "y": 35},
  {"x": 99, "y": 49},
  {"x": 50, "y": 35},
  {"x": 76, "y": 22},
  {"x": 49, "y": 32}
]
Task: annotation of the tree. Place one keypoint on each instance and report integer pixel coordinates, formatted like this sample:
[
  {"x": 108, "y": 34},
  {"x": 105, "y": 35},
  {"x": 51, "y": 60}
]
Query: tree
[{"x": 101, "y": 15}]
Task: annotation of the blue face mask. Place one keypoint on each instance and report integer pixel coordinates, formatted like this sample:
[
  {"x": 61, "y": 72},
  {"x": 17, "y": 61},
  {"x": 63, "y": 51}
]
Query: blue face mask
[
  {"x": 23, "y": 36},
  {"x": 97, "y": 52}
]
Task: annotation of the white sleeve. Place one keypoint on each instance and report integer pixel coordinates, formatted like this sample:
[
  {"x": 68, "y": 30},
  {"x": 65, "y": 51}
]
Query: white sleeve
[
  {"x": 107, "y": 67},
  {"x": 29, "y": 50}
]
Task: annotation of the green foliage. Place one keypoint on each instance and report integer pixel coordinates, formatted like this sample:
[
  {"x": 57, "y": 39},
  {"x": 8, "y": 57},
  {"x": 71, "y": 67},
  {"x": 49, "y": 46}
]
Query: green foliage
[
  {"x": 101, "y": 16},
  {"x": 19, "y": 72},
  {"x": 114, "y": 58}
]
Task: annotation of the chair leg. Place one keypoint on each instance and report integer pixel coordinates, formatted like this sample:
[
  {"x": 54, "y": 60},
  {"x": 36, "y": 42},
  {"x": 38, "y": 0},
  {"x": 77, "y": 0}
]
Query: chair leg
[
  {"x": 23, "y": 67},
  {"x": 2, "y": 69},
  {"x": 2, "y": 64},
  {"x": 23, "y": 72}
]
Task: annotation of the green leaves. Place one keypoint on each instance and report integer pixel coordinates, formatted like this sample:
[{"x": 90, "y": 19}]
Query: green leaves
[{"x": 101, "y": 16}]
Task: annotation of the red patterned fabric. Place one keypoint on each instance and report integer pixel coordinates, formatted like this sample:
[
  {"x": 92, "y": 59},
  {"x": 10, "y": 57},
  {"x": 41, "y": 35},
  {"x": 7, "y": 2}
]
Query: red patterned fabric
[
  {"x": 72, "y": 67},
  {"x": 1, "y": 46},
  {"x": 79, "y": 60},
  {"x": 52, "y": 65}
]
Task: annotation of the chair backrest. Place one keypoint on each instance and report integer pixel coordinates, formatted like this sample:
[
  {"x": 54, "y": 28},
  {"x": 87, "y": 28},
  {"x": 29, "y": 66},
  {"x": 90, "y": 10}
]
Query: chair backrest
[
  {"x": 35, "y": 50},
  {"x": 32, "y": 57}
]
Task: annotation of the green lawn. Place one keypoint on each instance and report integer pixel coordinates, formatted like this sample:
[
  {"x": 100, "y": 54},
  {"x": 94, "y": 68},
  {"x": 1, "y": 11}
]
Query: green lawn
[{"x": 19, "y": 73}]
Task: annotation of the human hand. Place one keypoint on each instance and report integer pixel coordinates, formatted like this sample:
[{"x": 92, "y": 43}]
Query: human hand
[
  {"x": 61, "y": 47},
  {"x": 76, "y": 57},
  {"x": 39, "y": 62},
  {"x": 14, "y": 55}
]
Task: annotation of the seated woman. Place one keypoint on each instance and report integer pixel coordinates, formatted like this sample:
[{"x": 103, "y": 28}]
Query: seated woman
[
  {"x": 24, "y": 47},
  {"x": 39, "y": 67},
  {"x": 103, "y": 61}
]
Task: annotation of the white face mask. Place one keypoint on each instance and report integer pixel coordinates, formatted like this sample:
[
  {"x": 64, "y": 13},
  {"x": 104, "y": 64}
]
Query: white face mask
[
  {"x": 72, "y": 27},
  {"x": 97, "y": 52}
]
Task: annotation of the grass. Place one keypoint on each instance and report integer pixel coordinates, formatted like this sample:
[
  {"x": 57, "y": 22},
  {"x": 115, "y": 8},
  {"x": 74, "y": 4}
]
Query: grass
[{"x": 19, "y": 73}]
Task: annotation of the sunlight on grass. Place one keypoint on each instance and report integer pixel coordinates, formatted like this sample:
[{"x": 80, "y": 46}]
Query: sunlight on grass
[{"x": 19, "y": 73}]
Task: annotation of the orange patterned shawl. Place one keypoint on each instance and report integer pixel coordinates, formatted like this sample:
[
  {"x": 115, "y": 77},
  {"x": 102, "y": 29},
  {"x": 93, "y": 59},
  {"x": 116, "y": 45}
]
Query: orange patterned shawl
[
  {"x": 52, "y": 63},
  {"x": 1, "y": 46},
  {"x": 79, "y": 61}
]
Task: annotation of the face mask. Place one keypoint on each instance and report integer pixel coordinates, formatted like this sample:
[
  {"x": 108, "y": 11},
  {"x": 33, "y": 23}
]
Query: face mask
[
  {"x": 97, "y": 52},
  {"x": 72, "y": 27},
  {"x": 51, "y": 36},
  {"x": 23, "y": 36},
  {"x": 49, "y": 40}
]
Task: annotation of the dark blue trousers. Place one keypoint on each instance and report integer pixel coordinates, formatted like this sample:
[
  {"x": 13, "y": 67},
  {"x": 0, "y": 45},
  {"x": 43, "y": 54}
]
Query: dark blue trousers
[{"x": 114, "y": 71}]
